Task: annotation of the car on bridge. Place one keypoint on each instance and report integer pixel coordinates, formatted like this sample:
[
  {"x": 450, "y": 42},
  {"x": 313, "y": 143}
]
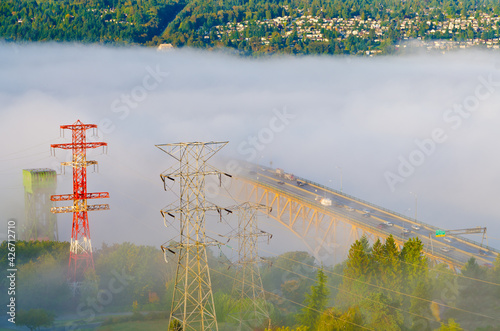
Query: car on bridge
[
  {"x": 415, "y": 227},
  {"x": 405, "y": 230},
  {"x": 449, "y": 240},
  {"x": 281, "y": 182},
  {"x": 388, "y": 223},
  {"x": 482, "y": 252},
  {"x": 445, "y": 249}
]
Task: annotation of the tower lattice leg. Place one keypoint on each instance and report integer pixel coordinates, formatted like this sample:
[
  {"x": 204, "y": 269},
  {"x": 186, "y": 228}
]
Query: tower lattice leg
[
  {"x": 80, "y": 256},
  {"x": 193, "y": 304}
]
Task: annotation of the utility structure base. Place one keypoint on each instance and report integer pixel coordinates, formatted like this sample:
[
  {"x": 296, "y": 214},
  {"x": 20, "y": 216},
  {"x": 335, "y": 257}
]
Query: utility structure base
[
  {"x": 192, "y": 304},
  {"x": 80, "y": 255}
]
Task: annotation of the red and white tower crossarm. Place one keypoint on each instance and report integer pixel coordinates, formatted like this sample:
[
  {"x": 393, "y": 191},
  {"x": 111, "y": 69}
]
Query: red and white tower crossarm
[{"x": 81, "y": 249}]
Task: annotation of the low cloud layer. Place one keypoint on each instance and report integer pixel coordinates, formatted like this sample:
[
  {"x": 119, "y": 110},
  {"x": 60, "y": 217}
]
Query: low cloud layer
[{"x": 421, "y": 123}]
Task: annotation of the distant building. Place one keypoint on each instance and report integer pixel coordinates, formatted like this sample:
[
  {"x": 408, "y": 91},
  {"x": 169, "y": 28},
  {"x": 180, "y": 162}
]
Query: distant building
[
  {"x": 40, "y": 223},
  {"x": 165, "y": 47}
]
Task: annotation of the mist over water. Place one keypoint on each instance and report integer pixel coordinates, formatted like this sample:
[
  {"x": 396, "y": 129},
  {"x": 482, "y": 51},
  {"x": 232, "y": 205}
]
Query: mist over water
[{"x": 429, "y": 122}]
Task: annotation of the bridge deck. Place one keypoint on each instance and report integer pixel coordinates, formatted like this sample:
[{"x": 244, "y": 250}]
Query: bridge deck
[{"x": 455, "y": 250}]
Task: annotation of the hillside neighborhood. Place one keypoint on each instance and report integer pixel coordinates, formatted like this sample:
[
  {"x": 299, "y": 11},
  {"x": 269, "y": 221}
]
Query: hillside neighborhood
[{"x": 441, "y": 34}]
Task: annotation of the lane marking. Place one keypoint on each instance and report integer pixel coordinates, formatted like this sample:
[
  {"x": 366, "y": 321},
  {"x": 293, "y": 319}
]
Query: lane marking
[{"x": 286, "y": 182}]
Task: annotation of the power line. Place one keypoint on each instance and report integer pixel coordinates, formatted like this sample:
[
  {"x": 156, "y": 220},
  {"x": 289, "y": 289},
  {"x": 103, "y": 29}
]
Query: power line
[
  {"x": 192, "y": 303},
  {"x": 23, "y": 157},
  {"x": 251, "y": 283},
  {"x": 358, "y": 295},
  {"x": 31, "y": 147},
  {"x": 339, "y": 289},
  {"x": 420, "y": 266},
  {"x": 443, "y": 271},
  {"x": 395, "y": 291},
  {"x": 8, "y": 170},
  {"x": 297, "y": 303},
  {"x": 429, "y": 300}
]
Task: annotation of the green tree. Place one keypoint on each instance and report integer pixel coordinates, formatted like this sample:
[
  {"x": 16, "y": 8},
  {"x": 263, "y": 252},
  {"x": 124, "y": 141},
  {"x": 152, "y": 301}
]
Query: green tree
[
  {"x": 414, "y": 263},
  {"x": 287, "y": 328},
  {"x": 382, "y": 313},
  {"x": 358, "y": 272},
  {"x": 472, "y": 293},
  {"x": 34, "y": 319},
  {"x": 419, "y": 306},
  {"x": 175, "y": 325},
  {"x": 42, "y": 284},
  {"x": 378, "y": 256},
  {"x": 90, "y": 286},
  {"x": 224, "y": 306},
  {"x": 358, "y": 263},
  {"x": 144, "y": 267},
  {"x": 495, "y": 275},
  {"x": 451, "y": 326},
  {"x": 289, "y": 266},
  {"x": 391, "y": 276},
  {"x": 315, "y": 302},
  {"x": 415, "y": 280},
  {"x": 332, "y": 320}
]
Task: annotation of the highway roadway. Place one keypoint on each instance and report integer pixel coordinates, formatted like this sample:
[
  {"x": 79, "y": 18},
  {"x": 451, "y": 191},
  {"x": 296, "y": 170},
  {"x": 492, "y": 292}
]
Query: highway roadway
[{"x": 456, "y": 249}]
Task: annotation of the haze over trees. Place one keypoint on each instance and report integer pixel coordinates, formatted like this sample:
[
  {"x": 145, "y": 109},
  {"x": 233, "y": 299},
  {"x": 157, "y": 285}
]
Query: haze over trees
[
  {"x": 379, "y": 286},
  {"x": 34, "y": 319}
]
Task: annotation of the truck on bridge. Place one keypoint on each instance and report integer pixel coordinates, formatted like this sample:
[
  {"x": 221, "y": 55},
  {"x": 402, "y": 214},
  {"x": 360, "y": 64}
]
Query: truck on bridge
[
  {"x": 324, "y": 201},
  {"x": 282, "y": 174}
]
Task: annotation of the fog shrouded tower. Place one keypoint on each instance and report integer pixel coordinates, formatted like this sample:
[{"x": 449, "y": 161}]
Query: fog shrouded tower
[
  {"x": 192, "y": 304},
  {"x": 40, "y": 223},
  {"x": 252, "y": 310},
  {"x": 80, "y": 255}
]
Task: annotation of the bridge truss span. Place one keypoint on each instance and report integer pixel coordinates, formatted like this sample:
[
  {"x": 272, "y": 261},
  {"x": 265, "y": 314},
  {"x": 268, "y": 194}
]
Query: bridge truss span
[
  {"x": 328, "y": 222},
  {"x": 318, "y": 228}
]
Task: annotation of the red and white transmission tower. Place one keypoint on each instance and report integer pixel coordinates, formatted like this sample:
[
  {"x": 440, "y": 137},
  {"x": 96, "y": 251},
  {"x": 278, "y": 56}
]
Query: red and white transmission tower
[{"x": 80, "y": 255}]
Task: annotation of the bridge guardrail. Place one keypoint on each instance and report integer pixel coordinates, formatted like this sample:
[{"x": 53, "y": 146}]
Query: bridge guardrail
[
  {"x": 343, "y": 214},
  {"x": 394, "y": 213}
]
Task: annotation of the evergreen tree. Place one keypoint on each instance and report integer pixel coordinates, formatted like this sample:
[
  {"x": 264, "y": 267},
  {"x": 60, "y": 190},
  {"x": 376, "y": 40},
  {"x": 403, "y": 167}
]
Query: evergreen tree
[
  {"x": 382, "y": 313},
  {"x": 419, "y": 306},
  {"x": 391, "y": 276},
  {"x": 315, "y": 302},
  {"x": 357, "y": 272},
  {"x": 332, "y": 320},
  {"x": 414, "y": 263},
  {"x": 378, "y": 256},
  {"x": 452, "y": 326}
]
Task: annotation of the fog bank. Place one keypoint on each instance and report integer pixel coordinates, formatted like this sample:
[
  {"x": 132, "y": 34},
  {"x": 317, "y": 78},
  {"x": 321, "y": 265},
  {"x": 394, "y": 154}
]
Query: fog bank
[{"x": 421, "y": 123}]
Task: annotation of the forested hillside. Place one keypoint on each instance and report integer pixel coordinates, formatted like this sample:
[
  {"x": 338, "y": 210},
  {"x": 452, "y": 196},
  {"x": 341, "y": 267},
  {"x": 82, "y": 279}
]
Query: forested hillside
[
  {"x": 86, "y": 21},
  {"x": 359, "y": 27}
]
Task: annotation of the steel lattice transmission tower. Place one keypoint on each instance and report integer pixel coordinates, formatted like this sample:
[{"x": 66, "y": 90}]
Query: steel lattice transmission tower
[
  {"x": 192, "y": 304},
  {"x": 248, "y": 285},
  {"x": 40, "y": 223},
  {"x": 80, "y": 255}
]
